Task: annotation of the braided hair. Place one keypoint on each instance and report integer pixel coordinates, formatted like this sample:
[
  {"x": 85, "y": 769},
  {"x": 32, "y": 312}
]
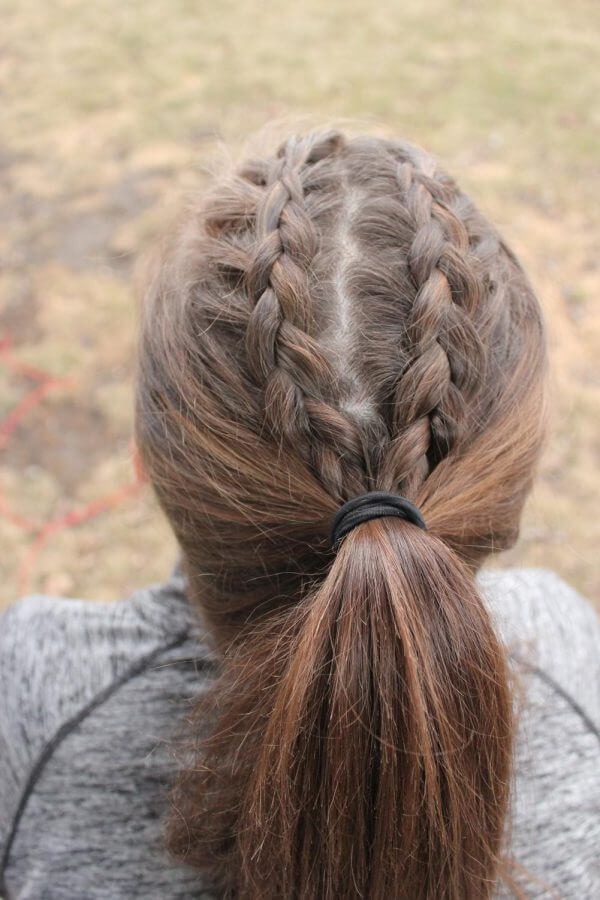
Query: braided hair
[{"x": 334, "y": 318}]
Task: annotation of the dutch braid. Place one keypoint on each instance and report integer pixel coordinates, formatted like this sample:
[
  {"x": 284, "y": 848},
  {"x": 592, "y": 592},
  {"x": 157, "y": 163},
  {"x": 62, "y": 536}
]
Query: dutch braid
[
  {"x": 434, "y": 392},
  {"x": 299, "y": 383}
]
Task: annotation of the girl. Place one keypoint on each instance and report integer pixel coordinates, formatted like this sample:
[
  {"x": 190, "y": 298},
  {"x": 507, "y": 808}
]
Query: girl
[{"x": 340, "y": 405}]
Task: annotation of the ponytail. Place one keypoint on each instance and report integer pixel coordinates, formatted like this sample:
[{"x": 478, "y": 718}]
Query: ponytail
[{"x": 378, "y": 734}]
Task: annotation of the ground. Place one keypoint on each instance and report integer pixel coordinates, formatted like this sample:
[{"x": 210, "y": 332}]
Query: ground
[{"x": 110, "y": 111}]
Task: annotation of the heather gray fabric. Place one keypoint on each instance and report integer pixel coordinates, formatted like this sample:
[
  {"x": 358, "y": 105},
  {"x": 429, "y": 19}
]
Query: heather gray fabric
[{"x": 90, "y": 693}]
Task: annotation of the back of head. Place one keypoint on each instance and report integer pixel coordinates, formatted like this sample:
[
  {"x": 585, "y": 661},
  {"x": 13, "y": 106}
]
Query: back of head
[{"x": 333, "y": 319}]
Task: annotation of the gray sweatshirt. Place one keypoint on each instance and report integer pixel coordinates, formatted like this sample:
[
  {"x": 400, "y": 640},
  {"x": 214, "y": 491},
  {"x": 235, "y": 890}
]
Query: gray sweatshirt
[{"x": 90, "y": 695}]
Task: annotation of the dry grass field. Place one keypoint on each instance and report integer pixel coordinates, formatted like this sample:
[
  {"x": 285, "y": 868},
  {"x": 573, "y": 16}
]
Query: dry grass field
[{"x": 109, "y": 111}]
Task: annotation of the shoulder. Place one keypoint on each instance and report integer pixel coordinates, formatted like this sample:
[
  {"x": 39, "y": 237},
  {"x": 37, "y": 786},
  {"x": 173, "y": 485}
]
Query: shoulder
[
  {"x": 54, "y": 651},
  {"x": 58, "y": 656},
  {"x": 550, "y": 629},
  {"x": 531, "y": 595},
  {"x": 552, "y": 635}
]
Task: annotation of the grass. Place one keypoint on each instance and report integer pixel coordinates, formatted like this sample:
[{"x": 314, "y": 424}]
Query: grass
[{"x": 109, "y": 110}]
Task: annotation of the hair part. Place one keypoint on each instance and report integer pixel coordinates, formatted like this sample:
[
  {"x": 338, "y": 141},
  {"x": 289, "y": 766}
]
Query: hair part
[{"x": 332, "y": 319}]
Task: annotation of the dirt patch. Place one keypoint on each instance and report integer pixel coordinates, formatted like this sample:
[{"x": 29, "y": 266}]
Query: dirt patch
[
  {"x": 84, "y": 239},
  {"x": 76, "y": 229},
  {"x": 19, "y": 306},
  {"x": 66, "y": 439}
]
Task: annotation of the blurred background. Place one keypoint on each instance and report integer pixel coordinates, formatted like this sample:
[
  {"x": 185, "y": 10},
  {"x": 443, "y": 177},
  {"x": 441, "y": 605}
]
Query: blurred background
[{"x": 109, "y": 110}]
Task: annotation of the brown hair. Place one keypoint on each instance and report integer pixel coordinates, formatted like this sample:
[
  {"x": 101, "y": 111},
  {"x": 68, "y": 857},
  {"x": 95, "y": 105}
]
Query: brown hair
[{"x": 332, "y": 319}]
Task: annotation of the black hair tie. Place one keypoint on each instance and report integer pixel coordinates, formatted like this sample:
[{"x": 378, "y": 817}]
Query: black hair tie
[{"x": 372, "y": 505}]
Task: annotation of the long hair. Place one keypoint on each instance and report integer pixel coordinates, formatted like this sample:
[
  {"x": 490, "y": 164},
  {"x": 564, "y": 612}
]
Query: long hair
[{"x": 334, "y": 318}]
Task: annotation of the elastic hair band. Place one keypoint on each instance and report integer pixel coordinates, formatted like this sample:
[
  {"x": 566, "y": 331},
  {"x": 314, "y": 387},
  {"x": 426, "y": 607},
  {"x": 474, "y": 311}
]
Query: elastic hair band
[{"x": 372, "y": 505}]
